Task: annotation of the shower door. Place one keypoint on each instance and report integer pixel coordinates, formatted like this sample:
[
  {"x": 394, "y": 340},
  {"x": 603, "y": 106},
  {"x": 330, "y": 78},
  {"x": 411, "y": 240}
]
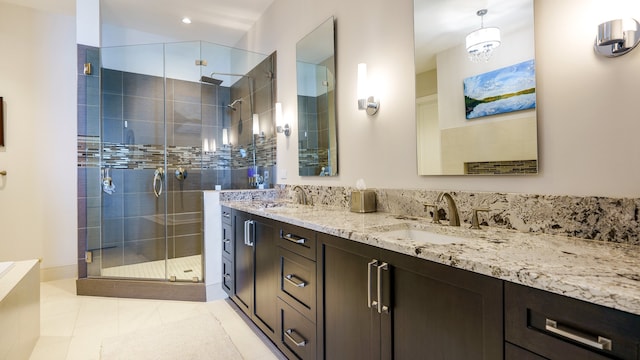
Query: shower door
[
  {"x": 133, "y": 163},
  {"x": 150, "y": 154}
]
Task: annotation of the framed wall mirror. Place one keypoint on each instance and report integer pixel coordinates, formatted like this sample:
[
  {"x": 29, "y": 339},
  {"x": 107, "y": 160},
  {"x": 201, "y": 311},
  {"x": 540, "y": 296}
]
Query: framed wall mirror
[
  {"x": 316, "y": 77},
  {"x": 475, "y": 87}
]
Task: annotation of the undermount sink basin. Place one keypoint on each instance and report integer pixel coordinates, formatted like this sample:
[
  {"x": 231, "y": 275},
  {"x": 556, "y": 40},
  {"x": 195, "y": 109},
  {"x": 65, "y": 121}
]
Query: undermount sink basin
[{"x": 423, "y": 236}]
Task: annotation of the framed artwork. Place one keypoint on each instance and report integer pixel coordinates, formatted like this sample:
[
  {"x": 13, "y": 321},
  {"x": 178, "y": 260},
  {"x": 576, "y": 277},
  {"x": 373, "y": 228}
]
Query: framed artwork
[
  {"x": 512, "y": 88},
  {"x": 1, "y": 123}
]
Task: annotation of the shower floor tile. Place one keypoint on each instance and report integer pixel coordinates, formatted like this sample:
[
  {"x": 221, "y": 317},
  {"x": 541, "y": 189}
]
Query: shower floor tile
[{"x": 183, "y": 268}]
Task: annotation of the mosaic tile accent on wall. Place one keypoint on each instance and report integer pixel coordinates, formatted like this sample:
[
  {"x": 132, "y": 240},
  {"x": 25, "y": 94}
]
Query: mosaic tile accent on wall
[
  {"x": 311, "y": 161},
  {"x": 589, "y": 217},
  {"x": 502, "y": 167},
  {"x": 120, "y": 156}
]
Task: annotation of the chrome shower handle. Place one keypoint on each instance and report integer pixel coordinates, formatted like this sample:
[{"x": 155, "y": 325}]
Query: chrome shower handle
[{"x": 158, "y": 175}]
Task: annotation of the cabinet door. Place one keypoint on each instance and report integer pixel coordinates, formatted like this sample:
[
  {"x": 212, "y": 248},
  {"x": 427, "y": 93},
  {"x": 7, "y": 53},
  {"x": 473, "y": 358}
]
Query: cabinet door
[
  {"x": 350, "y": 328},
  {"x": 243, "y": 264},
  {"x": 439, "y": 312},
  {"x": 265, "y": 276},
  {"x": 559, "y": 327}
]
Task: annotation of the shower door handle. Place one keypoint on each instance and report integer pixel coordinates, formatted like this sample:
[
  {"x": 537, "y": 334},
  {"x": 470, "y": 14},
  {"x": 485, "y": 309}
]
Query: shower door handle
[{"x": 158, "y": 175}]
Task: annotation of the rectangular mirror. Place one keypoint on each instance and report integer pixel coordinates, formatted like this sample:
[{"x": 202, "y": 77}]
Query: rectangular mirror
[
  {"x": 316, "y": 77},
  {"x": 475, "y": 90}
]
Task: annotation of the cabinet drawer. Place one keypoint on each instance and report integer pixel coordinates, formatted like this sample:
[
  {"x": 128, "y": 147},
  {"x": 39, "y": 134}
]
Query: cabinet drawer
[
  {"x": 227, "y": 240},
  {"x": 297, "y": 282},
  {"x": 512, "y": 352},
  {"x": 298, "y": 240},
  {"x": 558, "y": 327},
  {"x": 226, "y": 215},
  {"x": 296, "y": 334},
  {"x": 227, "y": 276}
]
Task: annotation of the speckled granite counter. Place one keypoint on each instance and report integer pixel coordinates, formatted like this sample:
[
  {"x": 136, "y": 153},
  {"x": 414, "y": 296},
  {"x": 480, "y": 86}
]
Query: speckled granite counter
[{"x": 607, "y": 274}]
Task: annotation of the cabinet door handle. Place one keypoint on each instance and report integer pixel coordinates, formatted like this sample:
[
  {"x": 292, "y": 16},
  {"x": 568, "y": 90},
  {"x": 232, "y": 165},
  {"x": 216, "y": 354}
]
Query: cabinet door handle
[
  {"x": 381, "y": 308},
  {"x": 293, "y": 238},
  {"x": 248, "y": 225},
  {"x": 373, "y": 262},
  {"x": 601, "y": 343},
  {"x": 246, "y": 231},
  {"x": 252, "y": 231},
  {"x": 289, "y": 334},
  {"x": 290, "y": 279}
]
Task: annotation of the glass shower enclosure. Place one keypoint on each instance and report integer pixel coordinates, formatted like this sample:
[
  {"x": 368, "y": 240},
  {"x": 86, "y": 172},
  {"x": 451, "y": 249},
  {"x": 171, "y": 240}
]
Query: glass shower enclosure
[{"x": 169, "y": 129}]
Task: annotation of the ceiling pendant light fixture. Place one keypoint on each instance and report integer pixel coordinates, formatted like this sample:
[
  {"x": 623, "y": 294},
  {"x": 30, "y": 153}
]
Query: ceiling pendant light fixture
[{"x": 481, "y": 43}]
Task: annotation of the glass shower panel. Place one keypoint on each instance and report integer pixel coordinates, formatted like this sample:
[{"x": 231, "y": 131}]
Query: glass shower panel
[
  {"x": 133, "y": 169},
  {"x": 186, "y": 142}
]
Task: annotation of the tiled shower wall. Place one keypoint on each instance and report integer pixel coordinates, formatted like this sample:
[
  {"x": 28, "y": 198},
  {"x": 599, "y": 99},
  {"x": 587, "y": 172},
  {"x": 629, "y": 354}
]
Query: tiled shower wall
[
  {"x": 313, "y": 132},
  {"x": 133, "y": 222}
]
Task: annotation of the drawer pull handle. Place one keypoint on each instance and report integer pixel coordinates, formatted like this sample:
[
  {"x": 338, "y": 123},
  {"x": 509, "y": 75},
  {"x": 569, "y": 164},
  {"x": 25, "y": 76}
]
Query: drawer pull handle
[
  {"x": 381, "y": 308},
  {"x": 373, "y": 262},
  {"x": 602, "y": 343},
  {"x": 289, "y": 336},
  {"x": 293, "y": 238},
  {"x": 227, "y": 215},
  {"x": 290, "y": 279}
]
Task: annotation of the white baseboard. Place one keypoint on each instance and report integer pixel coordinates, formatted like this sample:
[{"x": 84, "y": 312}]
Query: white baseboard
[
  {"x": 59, "y": 273},
  {"x": 215, "y": 292}
]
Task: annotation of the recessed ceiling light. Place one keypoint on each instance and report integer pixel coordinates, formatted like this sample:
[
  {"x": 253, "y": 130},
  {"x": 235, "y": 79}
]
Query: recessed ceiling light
[{"x": 186, "y": 20}]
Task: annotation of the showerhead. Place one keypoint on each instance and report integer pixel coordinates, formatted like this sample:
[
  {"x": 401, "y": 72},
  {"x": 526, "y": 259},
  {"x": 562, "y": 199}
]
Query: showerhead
[
  {"x": 210, "y": 80},
  {"x": 232, "y": 106}
]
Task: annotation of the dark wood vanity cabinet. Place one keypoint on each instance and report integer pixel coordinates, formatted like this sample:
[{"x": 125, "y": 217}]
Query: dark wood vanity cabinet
[
  {"x": 379, "y": 304},
  {"x": 558, "y": 327},
  {"x": 255, "y": 269},
  {"x": 228, "y": 272},
  {"x": 318, "y": 296}
]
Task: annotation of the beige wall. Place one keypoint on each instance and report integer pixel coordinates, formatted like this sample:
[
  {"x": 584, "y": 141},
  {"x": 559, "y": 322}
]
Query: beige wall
[
  {"x": 38, "y": 213},
  {"x": 588, "y": 123}
]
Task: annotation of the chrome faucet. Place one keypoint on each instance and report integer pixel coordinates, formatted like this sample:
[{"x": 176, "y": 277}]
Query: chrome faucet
[
  {"x": 454, "y": 219},
  {"x": 301, "y": 196}
]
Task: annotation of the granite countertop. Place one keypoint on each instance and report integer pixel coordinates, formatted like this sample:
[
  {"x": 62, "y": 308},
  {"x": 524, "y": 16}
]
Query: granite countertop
[{"x": 599, "y": 272}]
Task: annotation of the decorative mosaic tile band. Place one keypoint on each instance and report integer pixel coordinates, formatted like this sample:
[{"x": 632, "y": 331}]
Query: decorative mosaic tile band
[
  {"x": 502, "y": 167},
  {"x": 590, "y": 217},
  {"x": 315, "y": 158},
  {"x": 121, "y": 156}
]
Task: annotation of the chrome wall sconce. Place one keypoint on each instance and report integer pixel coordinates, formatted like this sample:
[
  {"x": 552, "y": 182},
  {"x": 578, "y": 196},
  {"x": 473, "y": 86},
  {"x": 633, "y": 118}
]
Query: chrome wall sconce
[
  {"x": 617, "y": 37},
  {"x": 281, "y": 129},
  {"x": 256, "y": 127},
  {"x": 365, "y": 100},
  {"x": 225, "y": 137}
]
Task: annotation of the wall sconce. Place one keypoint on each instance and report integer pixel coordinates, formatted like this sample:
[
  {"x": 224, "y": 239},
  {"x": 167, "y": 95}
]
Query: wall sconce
[
  {"x": 225, "y": 137},
  {"x": 256, "y": 126},
  {"x": 279, "y": 120},
  {"x": 617, "y": 37},
  {"x": 365, "y": 100}
]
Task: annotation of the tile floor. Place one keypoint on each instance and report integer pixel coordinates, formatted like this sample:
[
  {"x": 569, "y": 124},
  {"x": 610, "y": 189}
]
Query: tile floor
[{"x": 72, "y": 327}]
